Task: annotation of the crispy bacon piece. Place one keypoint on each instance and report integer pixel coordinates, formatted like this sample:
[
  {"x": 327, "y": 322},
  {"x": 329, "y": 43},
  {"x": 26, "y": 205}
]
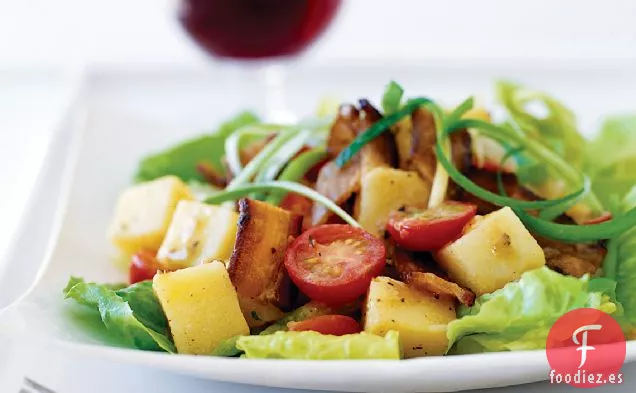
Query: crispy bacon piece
[
  {"x": 256, "y": 265},
  {"x": 423, "y": 138},
  {"x": 337, "y": 184},
  {"x": 250, "y": 151},
  {"x": 572, "y": 259},
  {"x": 211, "y": 175},
  {"x": 425, "y": 275},
  {"x": 488, "y": 180},
  {"x": 432, "y": 283},
  {"x": 344, "y": 129},
  {"x": 380, "y": 152}
]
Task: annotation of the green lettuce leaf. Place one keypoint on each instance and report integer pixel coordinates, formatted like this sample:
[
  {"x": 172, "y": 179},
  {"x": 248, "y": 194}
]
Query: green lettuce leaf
[
  {"x": 626, "y": 264},
  {"x": 132, "y": 314},
  {"x": 611, "y": 158},
  {"x": 392, "y": 97},
  {"x": 227, "y": 348},
  {"x": 554, "y": 126},
  {"x": 315, "y": 346},
  {"x": 519, "y": 316},
  {"x": 182, "y": 159}
]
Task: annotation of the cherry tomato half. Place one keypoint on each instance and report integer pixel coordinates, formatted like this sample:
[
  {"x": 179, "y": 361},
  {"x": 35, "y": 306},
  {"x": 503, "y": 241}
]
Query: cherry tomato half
[
  {"x": 430, "y": 229},
  {"x": 335, "y": 263},
  {"x": 336, "y": 325},
  {"x": 143, "y": 266}
]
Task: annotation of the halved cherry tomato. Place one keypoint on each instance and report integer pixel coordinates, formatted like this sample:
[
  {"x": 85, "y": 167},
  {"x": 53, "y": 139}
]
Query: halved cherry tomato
[
  {"x": 334, "y": 263},
  {"x": 336, "y": 325},
  {"x": 143, "y": 266},
  {"x": 430, "y": 229}
]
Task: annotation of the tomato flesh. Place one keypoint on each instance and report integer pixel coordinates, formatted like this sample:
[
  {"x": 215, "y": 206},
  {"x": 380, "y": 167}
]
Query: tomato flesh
[
  {"x": 334, "y": 263},
  {"x": 143, "y": 266},
  {"x": 336, "y": 325},
  {"x": 430, "y": 229}
]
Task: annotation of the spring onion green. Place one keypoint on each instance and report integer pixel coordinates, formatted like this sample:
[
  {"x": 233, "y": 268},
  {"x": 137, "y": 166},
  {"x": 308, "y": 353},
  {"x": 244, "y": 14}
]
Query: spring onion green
[
  {"x": 296, "y": 169},
  {"x": 234, "y": 142},
  {"x": 383, "y": 125},
  {"x": 392, "y": 97},
  {"x": 246, "y": 189}
]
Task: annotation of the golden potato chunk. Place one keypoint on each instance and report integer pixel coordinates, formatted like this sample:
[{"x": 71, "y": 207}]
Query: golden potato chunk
[
  {"x": 384, "y": 190},
  {"x": 201, "y": 306},
  {"x": 494, "y": 251},
  {"x": 256, "y": 265},
  {"x": 421, "y": 318},
  {"x": 143, "y": 213},
  {"x": 198, "y": 233}
]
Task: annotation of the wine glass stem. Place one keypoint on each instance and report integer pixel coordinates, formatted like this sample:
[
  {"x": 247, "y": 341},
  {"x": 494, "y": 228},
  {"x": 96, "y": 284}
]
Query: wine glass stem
[{"x": 271, "y": 79}]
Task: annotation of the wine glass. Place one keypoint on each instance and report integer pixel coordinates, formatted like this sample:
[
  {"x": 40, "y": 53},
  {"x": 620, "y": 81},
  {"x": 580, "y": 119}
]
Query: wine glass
[{"x": 261, "y": 34}]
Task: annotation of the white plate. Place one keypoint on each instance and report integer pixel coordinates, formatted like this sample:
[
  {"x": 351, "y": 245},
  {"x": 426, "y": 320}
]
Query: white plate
[{"x": 132, "y": 113}]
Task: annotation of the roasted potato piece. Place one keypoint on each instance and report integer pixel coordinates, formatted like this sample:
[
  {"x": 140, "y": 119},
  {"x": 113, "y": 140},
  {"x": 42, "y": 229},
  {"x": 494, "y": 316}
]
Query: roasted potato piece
[
  {"x": 201, "y": 306},
  {"x": 198, "y": 233},
  {"x": 421, "y": 318},
  {"x": 496, "y": 250},
  {"x": 338, "y": 184},
  {"x": 144, "y": 212},
  {"x": 384, "y": 190},
  {"x": 256, "y": 265},
  {"x": 436, "y": 285}
]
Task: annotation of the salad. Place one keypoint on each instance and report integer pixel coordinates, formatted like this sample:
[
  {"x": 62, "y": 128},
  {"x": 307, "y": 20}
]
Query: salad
[{"x": 364, "y": 233}]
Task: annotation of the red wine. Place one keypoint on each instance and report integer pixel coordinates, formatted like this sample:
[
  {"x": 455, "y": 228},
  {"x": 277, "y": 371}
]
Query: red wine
[{"x": 256, "y": 28}]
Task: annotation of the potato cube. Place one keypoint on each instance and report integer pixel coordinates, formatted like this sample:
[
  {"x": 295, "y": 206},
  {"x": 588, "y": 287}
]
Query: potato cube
[
  {"x": 143, "y": 213},
  {"x": 201, "y": 306},
  {"x": 256, "y": 266},
  {"x": 387, "y": 189},
  {"x": 198, "y": 233},
  {"x": 418, "y": 316},
  {"x": 496, "y": 250}
]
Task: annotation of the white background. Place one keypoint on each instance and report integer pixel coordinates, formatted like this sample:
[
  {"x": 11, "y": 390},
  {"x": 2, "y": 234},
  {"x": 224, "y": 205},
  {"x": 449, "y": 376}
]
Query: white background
[{"x": 43, "y": 43}]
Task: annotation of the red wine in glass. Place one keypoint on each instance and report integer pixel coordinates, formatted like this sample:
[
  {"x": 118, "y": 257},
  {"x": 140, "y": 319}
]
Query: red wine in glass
[{"x": 256, "y": 29}]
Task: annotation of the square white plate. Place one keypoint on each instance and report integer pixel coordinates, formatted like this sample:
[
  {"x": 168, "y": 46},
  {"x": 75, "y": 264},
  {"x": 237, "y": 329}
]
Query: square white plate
[{"x": 133, "y": 113}]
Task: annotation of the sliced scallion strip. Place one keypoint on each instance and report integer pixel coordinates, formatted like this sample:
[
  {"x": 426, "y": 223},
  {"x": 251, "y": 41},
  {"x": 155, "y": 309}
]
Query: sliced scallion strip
[
  {"x": 257, "y": 162},
  {"x": 246, "y": 189},
  {"x": 508, "y": 136},
  {"x": 460, "y": 179},
  {"x": 278, "y": 160},
  {"x": 296, "y": 169},
  {"x": 383, "y": 125},
  {"x": 233, "y": 143},
  {"x": 579, "y": 233}
]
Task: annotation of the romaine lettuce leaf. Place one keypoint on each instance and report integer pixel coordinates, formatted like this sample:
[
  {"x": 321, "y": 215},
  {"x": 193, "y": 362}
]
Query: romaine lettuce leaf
[
  {"x": 132, "y": 314},
  {"x": 227, "y": 348},
  {"x": 626, "y": 264},
  {"x": 611, "y": 158},
  {"x": 519, "y": 316},
  {"x": 544, "y": 119},
  {"x": 392, "y": 97},
  {"x": 182, "y": 159},
  {"x": 315, "y": 346}
]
